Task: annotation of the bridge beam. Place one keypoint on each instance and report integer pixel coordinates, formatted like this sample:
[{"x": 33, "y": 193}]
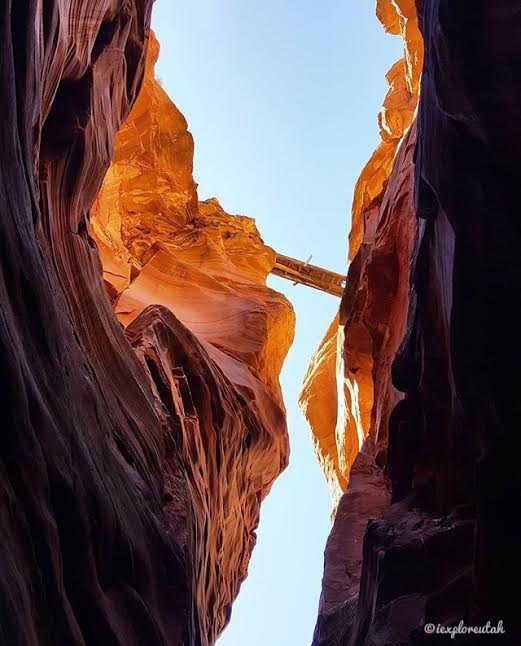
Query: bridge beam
[{"x": 309, "y": 275}]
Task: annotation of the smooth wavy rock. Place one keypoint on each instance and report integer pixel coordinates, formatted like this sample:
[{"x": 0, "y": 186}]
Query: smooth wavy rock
[{"x": 133, "y": 462}]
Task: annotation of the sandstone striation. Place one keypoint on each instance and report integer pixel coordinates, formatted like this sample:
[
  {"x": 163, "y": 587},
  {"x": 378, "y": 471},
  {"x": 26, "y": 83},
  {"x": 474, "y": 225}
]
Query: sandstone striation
[
  {"x": 427, "y": 401},
  {"x": 133, "y": 462},
  {"x": 161, "y": 246}
]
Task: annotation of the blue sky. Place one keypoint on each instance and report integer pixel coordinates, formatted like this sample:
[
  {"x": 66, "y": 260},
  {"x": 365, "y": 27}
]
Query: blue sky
[{"x": 281, "y": 97}]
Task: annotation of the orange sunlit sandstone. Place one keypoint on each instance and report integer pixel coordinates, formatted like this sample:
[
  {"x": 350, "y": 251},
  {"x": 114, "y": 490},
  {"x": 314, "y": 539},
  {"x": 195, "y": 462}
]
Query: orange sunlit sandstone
[
  {"x": 337, "y": 397},
  {"x": 218, "y": 357}
]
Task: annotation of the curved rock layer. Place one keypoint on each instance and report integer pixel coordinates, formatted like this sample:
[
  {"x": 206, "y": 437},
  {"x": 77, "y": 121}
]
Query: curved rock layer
[
  {"x": 133, "y": 462},
  {"x": 426, "y": 426},
  {"x": 160, "y": 246}
]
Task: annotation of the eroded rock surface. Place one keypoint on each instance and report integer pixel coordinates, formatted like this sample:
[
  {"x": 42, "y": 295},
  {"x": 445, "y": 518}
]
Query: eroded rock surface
[
  {"x": 423, "y": 533},
  {"x": 133, "y": 461},
  {"x": 161, "y": 246}
]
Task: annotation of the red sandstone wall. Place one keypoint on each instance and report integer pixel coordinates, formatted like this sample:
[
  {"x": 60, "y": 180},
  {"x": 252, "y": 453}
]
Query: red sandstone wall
[
  {"x": 133, "y": 462},
  {"x": 424, "y": 532}
]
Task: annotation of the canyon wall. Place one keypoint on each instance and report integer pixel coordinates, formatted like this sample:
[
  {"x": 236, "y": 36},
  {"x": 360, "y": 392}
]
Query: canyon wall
[
  {"x": 424, "y": 371},
  {"x": 338, "y": 391},
  {"x": 142, "y": 417},
  {"x": 133, "y": 459}
]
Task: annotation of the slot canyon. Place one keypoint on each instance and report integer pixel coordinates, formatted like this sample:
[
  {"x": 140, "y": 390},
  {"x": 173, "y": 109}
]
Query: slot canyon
[{"x": 141, "y": 347}]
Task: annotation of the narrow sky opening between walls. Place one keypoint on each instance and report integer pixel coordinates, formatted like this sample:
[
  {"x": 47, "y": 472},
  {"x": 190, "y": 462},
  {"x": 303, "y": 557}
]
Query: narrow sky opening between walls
[{"x": 282, "y": 101}]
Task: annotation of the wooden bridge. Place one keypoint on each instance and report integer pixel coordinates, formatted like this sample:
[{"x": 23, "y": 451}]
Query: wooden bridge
[{"x": 310, "y": 275}]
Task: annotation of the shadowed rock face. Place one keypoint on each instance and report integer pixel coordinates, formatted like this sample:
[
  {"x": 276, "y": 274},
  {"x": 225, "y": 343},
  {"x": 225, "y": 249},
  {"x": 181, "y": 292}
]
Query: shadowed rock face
[
  {"x": 133, "y": 462},
  {"x": 460, "y": 381},
  {"x": 425, "y": 531}
]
